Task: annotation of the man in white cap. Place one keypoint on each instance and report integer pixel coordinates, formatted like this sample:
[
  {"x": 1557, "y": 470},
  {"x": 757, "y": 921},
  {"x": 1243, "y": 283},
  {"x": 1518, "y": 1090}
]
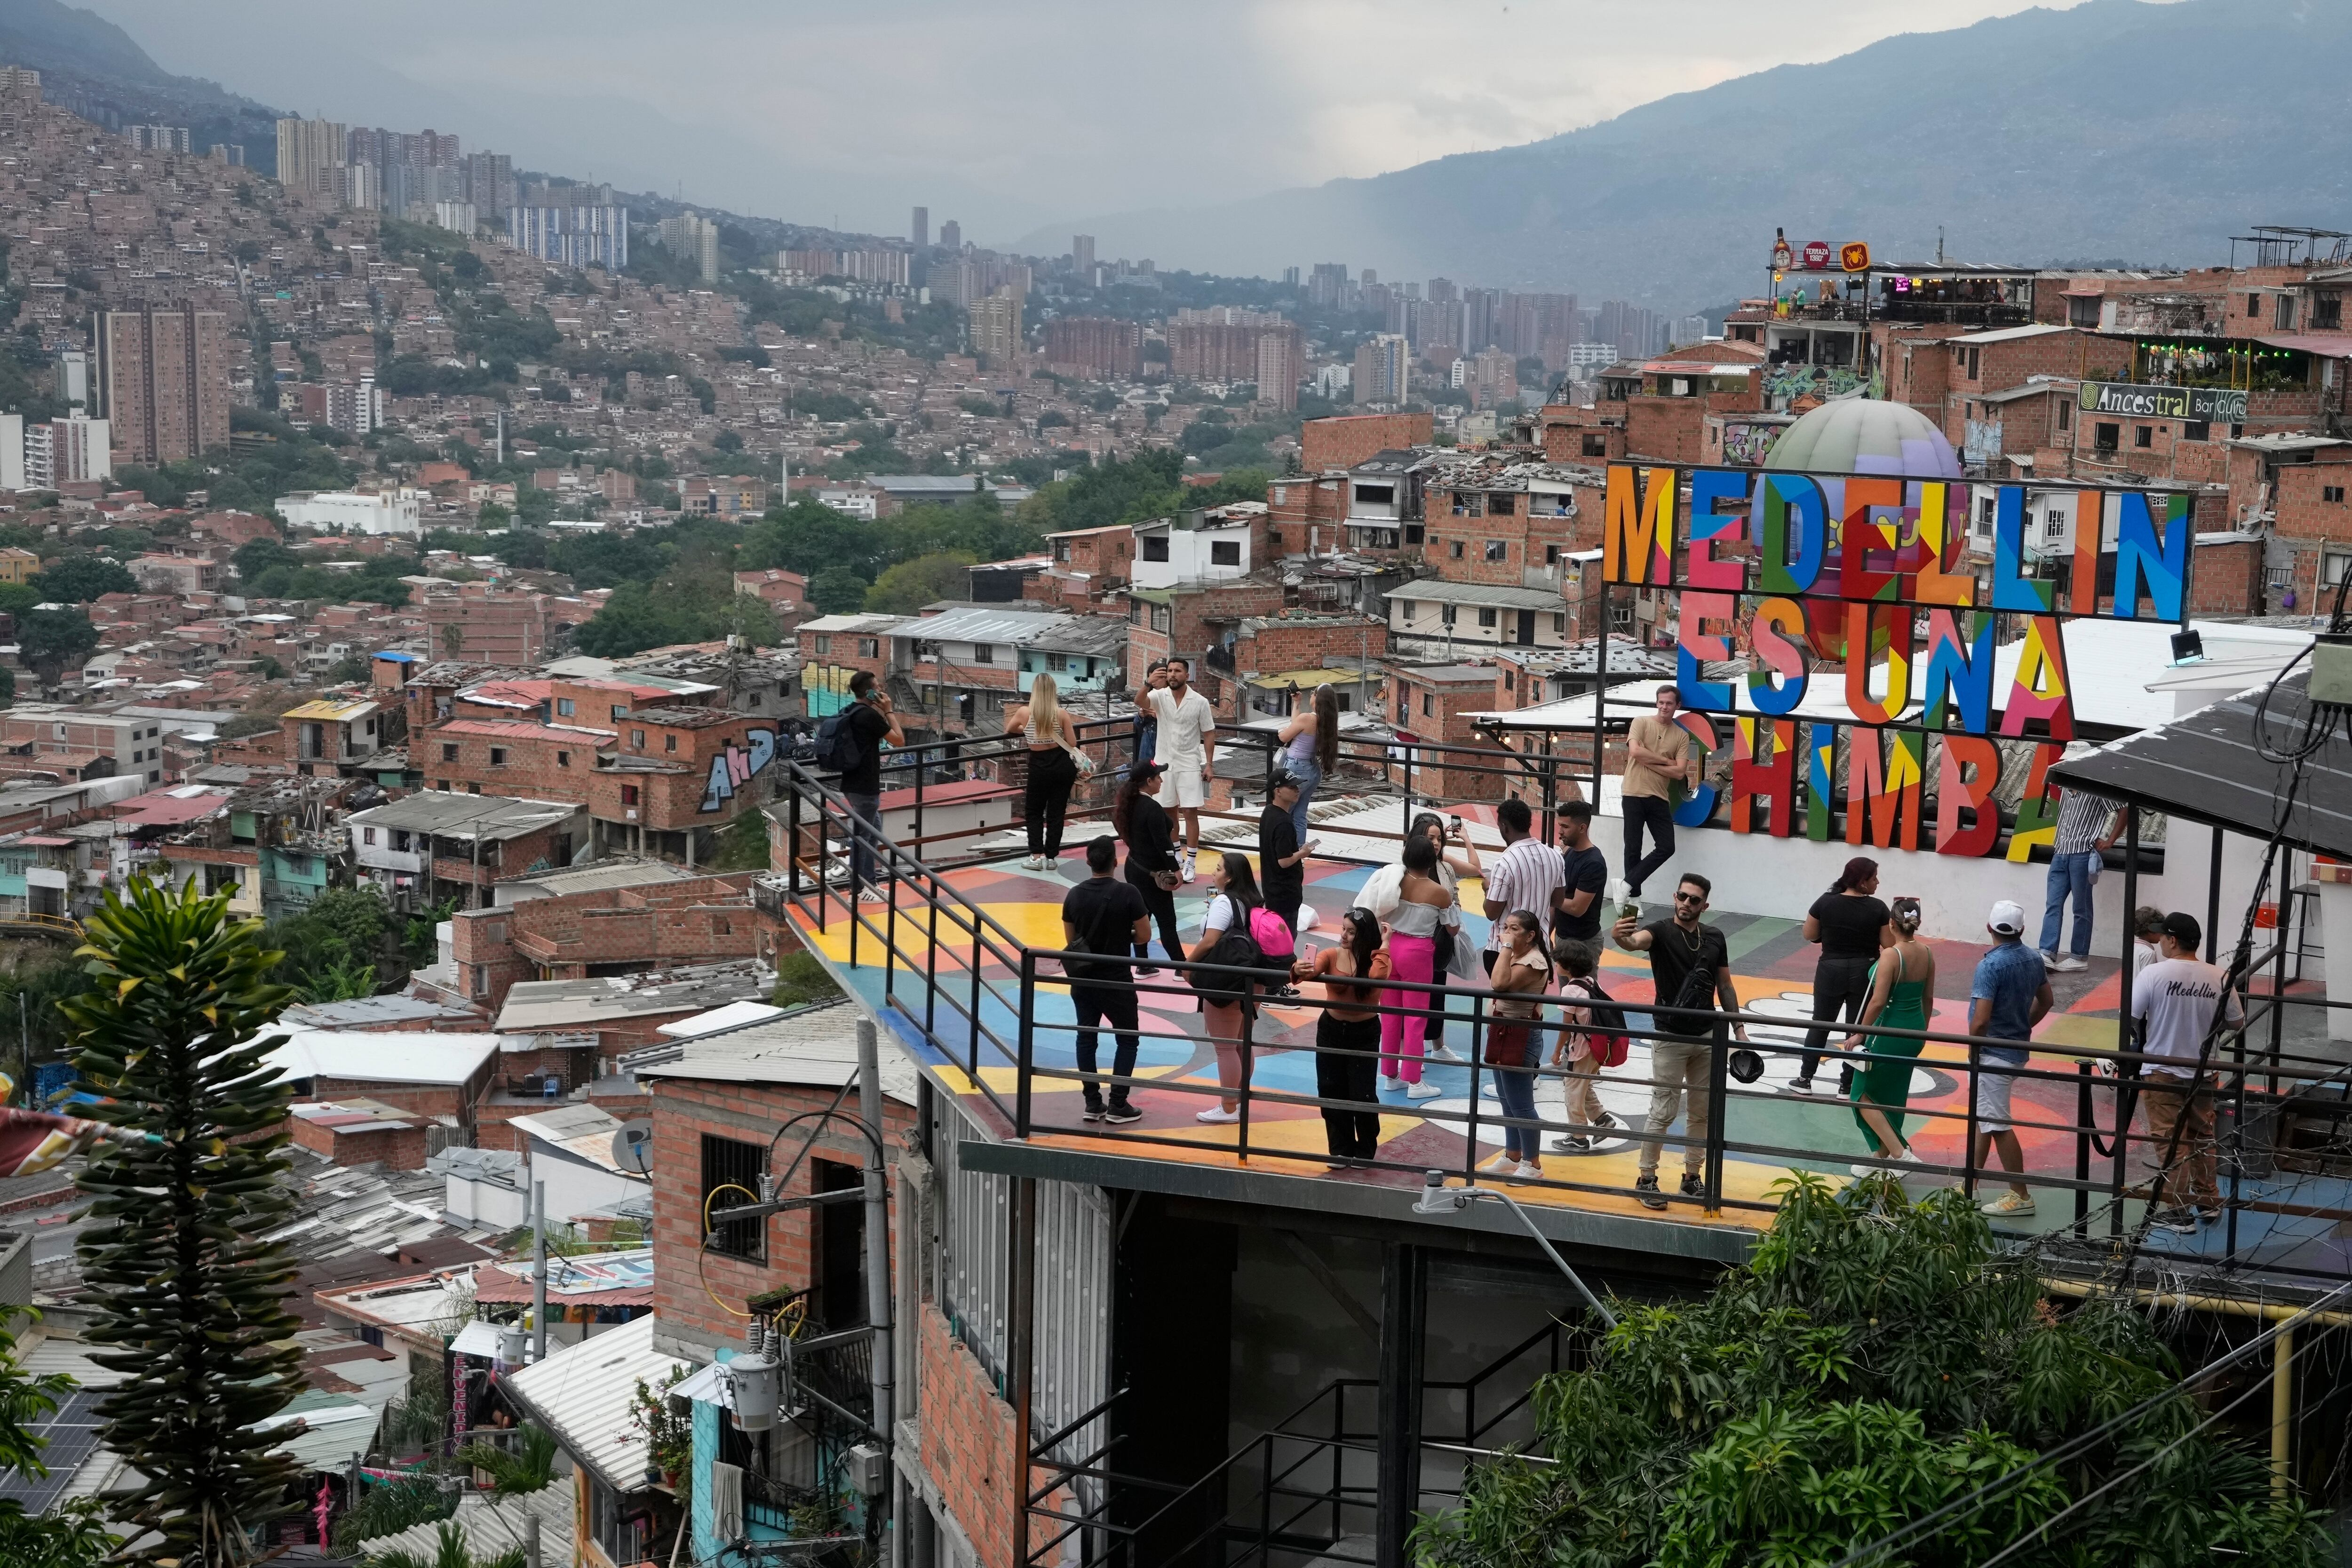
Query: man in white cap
[
  {"x": 2009, "y": 994},
  {"x": 2087, "y": 824}
]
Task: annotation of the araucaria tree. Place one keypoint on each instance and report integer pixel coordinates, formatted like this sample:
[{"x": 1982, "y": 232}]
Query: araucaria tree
[
  {"x": 1877, "y": 1364},
  {"x": 191, "y": 1303}
]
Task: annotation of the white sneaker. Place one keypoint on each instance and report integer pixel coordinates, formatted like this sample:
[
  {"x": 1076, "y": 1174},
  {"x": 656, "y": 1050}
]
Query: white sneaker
[
  {"x": 1218, "y": 1115},
  {"x": 2069, "y": 965},
  {"x": 870, "y": 897},
  {"x": 1910, "y": 1156},
  {"x": 1190, "y": 874},
  {"x": 1441, "y": 1052},
  {"x": 1528, "y": 1170},
  {"x": 1421, "y": 1091}
]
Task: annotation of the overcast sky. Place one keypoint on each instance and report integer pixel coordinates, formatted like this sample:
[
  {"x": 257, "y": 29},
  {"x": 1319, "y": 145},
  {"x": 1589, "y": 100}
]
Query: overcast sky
[{"x": 1005, "y": 114}]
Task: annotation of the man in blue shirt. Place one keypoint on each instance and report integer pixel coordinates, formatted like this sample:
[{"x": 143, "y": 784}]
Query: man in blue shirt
[{"x": 2009, "y": 994}]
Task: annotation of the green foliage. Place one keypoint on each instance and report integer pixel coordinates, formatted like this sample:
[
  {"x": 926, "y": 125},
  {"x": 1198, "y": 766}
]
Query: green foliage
[
  {"x": 44, "y": 973},
  {"x": 391, "y": 1506},
  {"x": 801, "y": 980},
  {"x": 526, "y": 1467},
  {"x": 668, "y": 1434},
  {"x": 51, "y": 641},
  {"x": 836, "y": 592},
  {"x": 334, "y": 950},
  {"x": 450, "y": 1550},
  {"x": 7, "y": 686},
  {"x": 742, "y": 845},
  {"x": 72, "y": 1535},
  {"x": 831, "y": 407},
  {"x": 903, "y": 589},
  {"x": 1876, "y": 1359},
  {"x": 191, "y": 1302},
  {"x": 1130, "y": 490},
  {"x": 376, "y": 582}
]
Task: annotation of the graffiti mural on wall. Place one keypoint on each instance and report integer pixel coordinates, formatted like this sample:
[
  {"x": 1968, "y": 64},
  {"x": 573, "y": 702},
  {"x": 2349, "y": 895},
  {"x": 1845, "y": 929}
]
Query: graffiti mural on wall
[
  {"x": 1784, "y": 384},
  {"x": 737, "y": 766},
  {"x": 1746, "y": 444}
]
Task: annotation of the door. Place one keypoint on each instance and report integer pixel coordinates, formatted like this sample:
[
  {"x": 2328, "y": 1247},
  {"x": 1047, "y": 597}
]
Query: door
[{"x": 1526, "y": 638}]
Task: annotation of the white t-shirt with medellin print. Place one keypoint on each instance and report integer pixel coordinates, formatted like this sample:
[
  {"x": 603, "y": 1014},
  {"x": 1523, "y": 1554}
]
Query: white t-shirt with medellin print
[{"x": 2175, "y": 998}]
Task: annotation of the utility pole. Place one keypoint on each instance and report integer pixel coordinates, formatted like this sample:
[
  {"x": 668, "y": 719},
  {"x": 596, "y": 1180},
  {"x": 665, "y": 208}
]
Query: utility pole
[
  {"x": 539, "y": 1270},
  {"x": 877, "y": 1236}
]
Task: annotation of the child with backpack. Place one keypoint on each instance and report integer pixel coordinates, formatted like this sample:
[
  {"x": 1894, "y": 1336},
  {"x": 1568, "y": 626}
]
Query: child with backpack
[{"x": 1593, "y": 1036}]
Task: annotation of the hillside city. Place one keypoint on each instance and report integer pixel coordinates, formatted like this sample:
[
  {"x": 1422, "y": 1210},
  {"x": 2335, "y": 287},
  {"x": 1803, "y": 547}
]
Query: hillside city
[{"x": 468, "y": 574}]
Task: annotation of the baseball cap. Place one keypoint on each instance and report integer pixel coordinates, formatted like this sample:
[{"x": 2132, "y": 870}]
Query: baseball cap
[
  {"x": 2184, "y": 929},
  {"x": 1284, "y": 776},
  {"x": 2007, "y": 918}
]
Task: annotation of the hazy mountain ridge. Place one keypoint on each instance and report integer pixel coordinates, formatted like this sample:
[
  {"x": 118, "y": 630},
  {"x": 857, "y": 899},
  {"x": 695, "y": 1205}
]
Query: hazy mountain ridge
[
  {"x": 2116, "y": 128},
  {"x": 94, "y": 69}
]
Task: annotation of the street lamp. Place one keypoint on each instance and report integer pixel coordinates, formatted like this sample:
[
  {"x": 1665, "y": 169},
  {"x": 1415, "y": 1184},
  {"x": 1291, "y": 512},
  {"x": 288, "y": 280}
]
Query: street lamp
[{"x": 1437, "y": 1198}]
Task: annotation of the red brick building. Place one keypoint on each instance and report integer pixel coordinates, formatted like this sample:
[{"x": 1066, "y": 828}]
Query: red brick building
[
  {"x": 482, "y": 621},
  {"x": 609, "y": 931},
  {"x": 1330, "y": 446}
]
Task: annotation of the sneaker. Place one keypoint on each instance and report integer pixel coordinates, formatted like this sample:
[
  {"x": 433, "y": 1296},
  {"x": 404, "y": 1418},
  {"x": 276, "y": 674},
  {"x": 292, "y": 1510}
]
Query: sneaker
[
  {"x": 1217, "y": 1115},
  {"x": 1122, "y": 1113},
  {"x": 1646, "y": 1190},
  {"x": 1441, "y": 1052},
  {"x": 1910, "y": 1156},
  {"x": 1500, "y": 1164},
  {"x": 1528, "y": 1170},
  {"x": 1801, "y": 1085},
  {"x": 2208, "y": 1215},
  {"x": 2007, "y": 1204},
  {"x": 1692, "y": 1187},
  {"x": 1606, "y": 1122},
  {"x": 2070, "y": 963},
  {"x": 1034, "y": 863},
  {"x": 1569, "y": 1143},
  {"x": 1190, "y": 874},
  {"x": 1094, "y": 1111},
  {"x": 1288, "y": 993},
  {"x": 1146, "y": 970},
  {"x": 1864, "y": 1172},
  {"x": 2181, "y": 1222},
  {"x": 1845, "y": 1080},
  {"x": 1421, "y": 1091},
  {"x": 870, "y": 897}
]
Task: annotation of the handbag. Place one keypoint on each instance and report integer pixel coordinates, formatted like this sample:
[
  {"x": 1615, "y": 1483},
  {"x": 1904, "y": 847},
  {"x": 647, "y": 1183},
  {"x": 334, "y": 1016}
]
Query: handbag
[{"x": 1167, "y": 881}]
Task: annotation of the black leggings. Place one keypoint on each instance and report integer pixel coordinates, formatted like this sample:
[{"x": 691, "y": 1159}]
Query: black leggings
[
  {"x": 1841, "y": 988},
  {"x": 1656, "y": 814},
  {"x": 1045, "y": 801},
  {"x": 1161, "y": 903},
  {"x": 1345, "y": 1051}
]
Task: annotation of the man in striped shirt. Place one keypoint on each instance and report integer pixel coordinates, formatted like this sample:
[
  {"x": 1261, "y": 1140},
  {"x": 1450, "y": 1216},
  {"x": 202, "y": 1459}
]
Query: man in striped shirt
[
  {"x": 1527, "y": 875},
  {"x": 2087, "y": 824}
]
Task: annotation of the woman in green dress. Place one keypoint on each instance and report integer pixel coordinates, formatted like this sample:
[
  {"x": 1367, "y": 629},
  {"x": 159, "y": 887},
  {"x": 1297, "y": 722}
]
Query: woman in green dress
[{"x": 1900, "y": 984}]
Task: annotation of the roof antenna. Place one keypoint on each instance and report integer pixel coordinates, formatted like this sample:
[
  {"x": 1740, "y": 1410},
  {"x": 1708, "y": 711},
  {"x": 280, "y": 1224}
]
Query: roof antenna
[{"x": 1939, "y": 245}]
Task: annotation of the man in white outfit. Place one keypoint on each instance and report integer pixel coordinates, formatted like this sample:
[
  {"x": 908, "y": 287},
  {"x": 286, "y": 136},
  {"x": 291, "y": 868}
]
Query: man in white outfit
[{"x": 1187, "y": 745}]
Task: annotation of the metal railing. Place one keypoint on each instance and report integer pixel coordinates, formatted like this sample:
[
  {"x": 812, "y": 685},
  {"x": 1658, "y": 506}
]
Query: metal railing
[{"x": 971, "y": 988}]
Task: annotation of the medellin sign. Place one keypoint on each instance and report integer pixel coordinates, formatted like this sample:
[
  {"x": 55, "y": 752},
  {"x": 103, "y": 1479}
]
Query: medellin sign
[
  {"x": 2217, "y": 404},
  {"x": 1799, "y": 567}
]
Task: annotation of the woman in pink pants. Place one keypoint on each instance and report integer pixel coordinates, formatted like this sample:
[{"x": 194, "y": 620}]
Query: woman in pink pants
[{"x": 1421, "y": 905}]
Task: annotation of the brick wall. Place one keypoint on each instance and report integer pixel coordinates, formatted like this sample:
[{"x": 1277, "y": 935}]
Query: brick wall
[
  {"x": 1304, "y": 513},
  {"x": 1530, "y": 538},
  {"x": 2226, "y": 579},
  {"x": 1278, "y": 645},
  {"x": 2314, "y": 501},
  {"x": 1324, "y": 445},
  {"x": 1448, "y": 705},
  {"x": 968, "y": 1441},
  {"x": 396, "y": 1148},
  {"x": 1573, "y": 434},
  {"x": 426, "y": 1099},
  {"x": 684, "y": 1109}
]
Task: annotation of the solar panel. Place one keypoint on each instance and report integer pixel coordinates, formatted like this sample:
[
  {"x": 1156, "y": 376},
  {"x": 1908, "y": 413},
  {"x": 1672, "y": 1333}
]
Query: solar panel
[{"x": 69, "y": 1434}]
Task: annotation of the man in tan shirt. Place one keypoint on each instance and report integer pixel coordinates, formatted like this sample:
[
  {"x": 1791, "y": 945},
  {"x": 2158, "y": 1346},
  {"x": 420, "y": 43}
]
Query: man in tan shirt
[{"x": 1658, "y": 752}]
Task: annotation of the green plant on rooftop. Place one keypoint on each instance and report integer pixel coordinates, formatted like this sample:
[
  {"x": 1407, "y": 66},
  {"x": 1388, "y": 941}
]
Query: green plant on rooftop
[
  {"x": 1876, "y": 1359},
  {"x": 189, "y": 1297},
  {"x": 527, "y": 1467},
  {"x": 801, "y": 980}
]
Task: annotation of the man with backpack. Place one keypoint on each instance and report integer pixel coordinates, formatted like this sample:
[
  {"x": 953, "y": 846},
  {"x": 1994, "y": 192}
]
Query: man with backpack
[
  {"x": 1281, "y": 858},
  {"x": 850, "y": 743},
  {"x": 1592, "y": 1038}
]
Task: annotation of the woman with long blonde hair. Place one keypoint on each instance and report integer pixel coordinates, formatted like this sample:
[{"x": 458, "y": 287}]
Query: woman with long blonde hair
[{"x": 1054, "y": 765}]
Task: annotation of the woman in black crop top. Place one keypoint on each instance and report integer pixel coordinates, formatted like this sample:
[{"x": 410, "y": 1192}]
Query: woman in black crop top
[{"x": 1850, "y": 924}]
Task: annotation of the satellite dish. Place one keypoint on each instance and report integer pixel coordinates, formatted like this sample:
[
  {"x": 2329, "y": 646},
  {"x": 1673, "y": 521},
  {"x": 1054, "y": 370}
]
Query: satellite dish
[{"x": 633, "y": 1146}]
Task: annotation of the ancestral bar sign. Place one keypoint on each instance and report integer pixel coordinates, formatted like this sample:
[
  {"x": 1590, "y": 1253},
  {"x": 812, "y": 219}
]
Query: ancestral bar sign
[{"x": 1865, "y": 572}]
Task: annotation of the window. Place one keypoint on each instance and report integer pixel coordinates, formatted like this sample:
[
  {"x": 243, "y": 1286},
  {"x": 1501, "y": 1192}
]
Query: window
[
  {"x": 824, "y": 642},
  {"x": 2197, "y": 430},
  {"x": 1551, "y": 555},
  {"x": 669, "y": 741},
  {"x": 1497, "y": 552},
  {"x": 1455, "y": 549},
  {"x": 620, "y": 711},
  {"x": 1596, "y": 445},
  {"x": 2082, "y": 312},
  {"x": 2105, "y": 436},
  {"x": 1376, "y": 495},
  {"x": 2283, "y": 318},
  {"x": 1559, "y": 625},
  {"x": 628, "y": 795},
  {"x": 726, "y": 1165},
  {"x": 2331, "y": 567},
  {"x": 1414, "y": 533},
  {"x": 2332, "y": 493},
  {"x": 869, "y": 647},
  {"x": 473, "y": 789},
  {"x": 1225, "y": 552},
  {"x": 449, "y": 754},
  {"x": 2054, "y": 525},
  {"x": 637, "y": 739},
  {"x": 1428, "y": 705},
  {"x": 1972, "y": 363},
  {"x": 563, "y": 707},
  {"x": 1155, "y": 547},
  {"x": 367, "y": 835},
  {"x": 2254, "y": 304},
  {"x": 983, "y": 653},
  {"x": 1056, "y": 663},
  {"x": 441, "y": 784},
  {"x": 562, "y": 759},
  {"x": 1508, "y": 685},
  {"x": 1502, "y": 506},
  {"x": 2143, "y": 435},
  {"x": 1159, "y": 617},
  {"x": 2065, "y": 415},
  {"x": 2327, "y": 313},
  {"x": 1487, "y": 618},
  {"x": 497, "y": 756},
  {"x": 1446, "y": 612}
]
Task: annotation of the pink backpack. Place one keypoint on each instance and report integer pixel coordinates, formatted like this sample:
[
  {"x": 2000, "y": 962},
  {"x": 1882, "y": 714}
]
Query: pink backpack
[{"x": 1272, "y": 934}]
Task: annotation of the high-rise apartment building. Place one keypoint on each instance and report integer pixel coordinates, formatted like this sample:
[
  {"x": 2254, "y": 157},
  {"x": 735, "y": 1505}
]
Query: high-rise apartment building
[
  {"x": 952, "y": 236},
  {"x": 996, "y": 326},
  {"x": 919, "y": 231},
  {"x": 1688, "y": 330},
  {"x": 1381, "y": 363},
  {"x": 42, "y": 456},
  {"x": 162, "y": 380},
  {"x": 73, "y": 379},
  {"x": 1327, "y": 283},
  {"x": 487, "y": 182},
  {"x": 572, "y": 236},
  {"x": 157, "y": 138},
  {"x": 458, "y": 217},
  {"x": 874, "y": 266},
  {"x": 310, "y": 156},
  {"x": 1290, "y": 277},
  {"x": 692, "y": 238},
  {"x": 1281, "y": 361},
  {"x": 1096, "y": 348},
  {"x": 1224, "y": 343},
  {"x": 1082, "y": 254}
]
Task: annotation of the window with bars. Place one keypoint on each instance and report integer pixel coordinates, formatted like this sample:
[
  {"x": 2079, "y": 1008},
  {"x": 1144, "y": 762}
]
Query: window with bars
[{"x": 729, "y": 1163}]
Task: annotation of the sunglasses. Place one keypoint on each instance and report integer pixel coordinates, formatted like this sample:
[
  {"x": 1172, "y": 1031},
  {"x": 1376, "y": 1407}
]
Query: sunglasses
[{"x": 1690, "y": 897}]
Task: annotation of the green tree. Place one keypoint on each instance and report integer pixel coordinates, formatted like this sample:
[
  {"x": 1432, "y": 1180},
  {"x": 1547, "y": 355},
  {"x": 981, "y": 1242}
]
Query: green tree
[
  {"x": 903, "y": 589},
  {"x": 836, "y": 592},
  {"x": 72, "y": 1537},
  {"x": 53, "y": 640},
  {"x": 7, "y": 686},
  {"x": 191, "y": 1302},
  {"x": 1876, "y": 1359}
]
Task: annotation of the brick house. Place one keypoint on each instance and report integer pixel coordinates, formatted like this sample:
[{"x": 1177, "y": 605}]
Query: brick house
[
  {"x": 716, "y": 1104},
  {"x": 1433, "y": 702},
  {"x": 1307, "y": 515},
  {"x": 1328, "y": 445},
  {"x": 482, "y": 621},
  {"x": 1089, "y": 567},
  {"x": 608, "y": 931},
  {"x": 1273, "y": 657},
  {"x": 784, "y": 592},
  {"x": 434, "y": 846}
]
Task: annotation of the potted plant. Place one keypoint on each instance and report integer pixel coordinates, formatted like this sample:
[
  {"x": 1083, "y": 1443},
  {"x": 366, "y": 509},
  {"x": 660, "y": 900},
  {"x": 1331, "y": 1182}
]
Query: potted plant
[{"x": 668, "y": 1432}]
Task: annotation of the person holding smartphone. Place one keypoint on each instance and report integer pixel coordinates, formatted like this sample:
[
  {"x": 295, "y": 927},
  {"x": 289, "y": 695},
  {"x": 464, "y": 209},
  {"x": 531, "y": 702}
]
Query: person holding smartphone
[{"x": 873, "y": 724}]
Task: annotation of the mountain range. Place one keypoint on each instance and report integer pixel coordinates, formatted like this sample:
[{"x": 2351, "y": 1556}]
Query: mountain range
[
  {"x": 2115, "y": 130},
  {"x": 98, "y": 71}
]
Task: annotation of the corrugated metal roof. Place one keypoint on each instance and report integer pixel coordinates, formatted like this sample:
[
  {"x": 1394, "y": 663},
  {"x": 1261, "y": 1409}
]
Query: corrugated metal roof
[
  {"x": 812, "y": 1047},
  {"x": 491, "y": 1526},
  {"x": 456, "y": 815},
  {"x": 382, "y": 1056},
  {"x": 329, "y": 709},
  {"x": 990, "y": 625},
  {"x": 1437, "y": 591},
  {"x": 581, "y": 1395}
]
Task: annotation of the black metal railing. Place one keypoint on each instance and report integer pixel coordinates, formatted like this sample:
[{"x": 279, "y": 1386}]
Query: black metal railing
[{"x": 971, "y": 988}]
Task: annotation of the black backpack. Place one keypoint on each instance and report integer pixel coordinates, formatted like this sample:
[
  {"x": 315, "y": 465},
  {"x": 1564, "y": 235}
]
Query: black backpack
[{"x": 838, "y": 750}]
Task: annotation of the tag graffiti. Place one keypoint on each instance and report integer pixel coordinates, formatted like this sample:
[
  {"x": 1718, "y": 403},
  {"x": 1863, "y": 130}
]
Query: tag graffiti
[{"x": 737, "y": 766}]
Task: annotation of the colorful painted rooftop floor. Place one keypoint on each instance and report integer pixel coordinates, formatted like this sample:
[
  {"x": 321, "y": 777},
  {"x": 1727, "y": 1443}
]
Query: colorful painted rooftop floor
[{"x": 1773, "y": 966}]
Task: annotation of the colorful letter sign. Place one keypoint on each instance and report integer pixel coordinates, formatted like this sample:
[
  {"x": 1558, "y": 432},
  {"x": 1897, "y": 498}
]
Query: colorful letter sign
[{"x": 1869, "y": 572}]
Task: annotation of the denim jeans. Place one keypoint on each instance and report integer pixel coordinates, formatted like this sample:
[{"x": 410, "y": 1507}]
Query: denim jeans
[
  {"x": 1093, "y": 1005},
  {"x": 1511, "y": 1055},
  {"x": 868, "y": 808},
  {"x": 1310, "y": 779},
  {"x": 2071, "y": 875}
]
